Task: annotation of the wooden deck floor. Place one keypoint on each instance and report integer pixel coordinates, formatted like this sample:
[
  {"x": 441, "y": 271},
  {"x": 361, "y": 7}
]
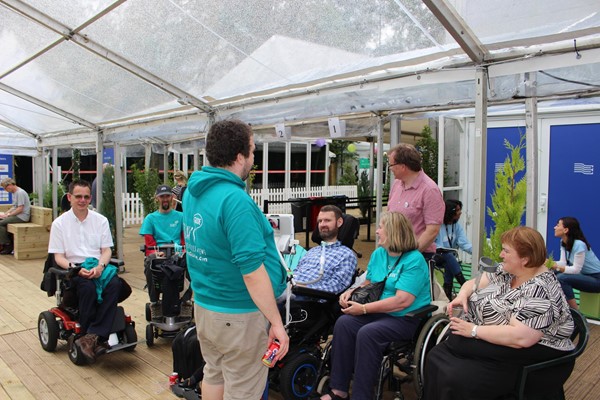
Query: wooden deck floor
[{"x": 28, "y": 372}]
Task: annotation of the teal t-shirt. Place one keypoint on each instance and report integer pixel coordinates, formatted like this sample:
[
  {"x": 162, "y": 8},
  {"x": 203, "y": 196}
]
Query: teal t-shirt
[
  {"x": 591, "y": 265},
  {"x": 410, "y": 275},
  {"x": 164, "y": 227},
  {"x": 227, "y": 236}
]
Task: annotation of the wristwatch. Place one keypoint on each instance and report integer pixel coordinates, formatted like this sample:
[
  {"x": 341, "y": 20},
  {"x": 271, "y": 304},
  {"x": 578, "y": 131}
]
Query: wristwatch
[{"x": 474, "y": 332}]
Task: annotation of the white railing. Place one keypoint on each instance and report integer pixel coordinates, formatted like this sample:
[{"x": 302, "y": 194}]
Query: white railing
[{"x": 133, "y": 211}]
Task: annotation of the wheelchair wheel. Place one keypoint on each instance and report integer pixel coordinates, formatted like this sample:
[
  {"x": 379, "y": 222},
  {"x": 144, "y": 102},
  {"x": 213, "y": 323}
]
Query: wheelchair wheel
[
  {"x": 75, "y": 354},
  {"x": 148, "y": 312},
  {"x": 299, "y": 376},
  {"x": 48, "y": 331},
  {"x": 130, "y": 337},
  {"x": 433, "y": 332},
  {"x": 323, "y": 385},
  {"x": 149, "y": 335}
]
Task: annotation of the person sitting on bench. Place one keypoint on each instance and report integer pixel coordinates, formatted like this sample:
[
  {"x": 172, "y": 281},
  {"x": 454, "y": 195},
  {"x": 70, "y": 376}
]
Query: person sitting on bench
[{"x": 18, "y": 213}]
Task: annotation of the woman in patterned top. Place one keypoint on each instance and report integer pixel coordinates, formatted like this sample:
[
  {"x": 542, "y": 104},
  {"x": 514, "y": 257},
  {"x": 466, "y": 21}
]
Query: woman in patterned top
[
  {"x": 578, "y": 266},
  {"x": 517, "y": 316}
]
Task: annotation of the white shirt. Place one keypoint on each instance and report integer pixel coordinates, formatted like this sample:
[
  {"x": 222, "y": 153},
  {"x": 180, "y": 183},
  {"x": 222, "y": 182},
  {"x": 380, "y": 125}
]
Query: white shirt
[{"x": 78, "y": 240}]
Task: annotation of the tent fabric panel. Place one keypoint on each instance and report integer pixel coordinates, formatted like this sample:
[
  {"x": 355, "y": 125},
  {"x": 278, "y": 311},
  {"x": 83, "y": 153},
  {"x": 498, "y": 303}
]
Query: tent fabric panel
[{"x": 90, "y": 87}]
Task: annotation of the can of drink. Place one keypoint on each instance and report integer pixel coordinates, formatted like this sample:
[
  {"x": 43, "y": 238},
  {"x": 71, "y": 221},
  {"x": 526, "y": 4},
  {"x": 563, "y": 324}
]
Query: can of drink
[
  {"x": 270, "y": 354},
  {"x": 173, "y": 378}
]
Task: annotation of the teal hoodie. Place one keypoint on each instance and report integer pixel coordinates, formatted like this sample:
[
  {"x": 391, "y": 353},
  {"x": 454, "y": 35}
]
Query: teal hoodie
[{"x": 226, "y": 236}]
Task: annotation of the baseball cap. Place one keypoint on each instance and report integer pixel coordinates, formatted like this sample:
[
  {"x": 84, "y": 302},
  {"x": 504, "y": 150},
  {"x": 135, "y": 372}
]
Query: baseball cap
[{"x": 163, "y": 189}]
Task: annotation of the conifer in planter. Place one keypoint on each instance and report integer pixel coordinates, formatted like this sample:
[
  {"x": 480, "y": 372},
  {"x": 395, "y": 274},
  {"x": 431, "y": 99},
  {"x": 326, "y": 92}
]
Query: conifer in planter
[
  {"x": 508, "y": 200},
  {"x": 107, "y": 207}
]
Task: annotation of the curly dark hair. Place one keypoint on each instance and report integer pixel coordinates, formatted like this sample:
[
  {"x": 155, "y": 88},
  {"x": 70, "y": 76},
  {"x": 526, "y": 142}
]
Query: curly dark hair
[
  {"x": 450, "y": 213},
  {"x": 225, "y": 140},
  {"x": 408, "y": 155}
]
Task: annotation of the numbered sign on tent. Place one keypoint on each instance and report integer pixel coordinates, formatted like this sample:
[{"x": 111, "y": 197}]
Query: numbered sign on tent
[
  {"x": 283, "y": 132},
  {"x": 337, "y": 127}
]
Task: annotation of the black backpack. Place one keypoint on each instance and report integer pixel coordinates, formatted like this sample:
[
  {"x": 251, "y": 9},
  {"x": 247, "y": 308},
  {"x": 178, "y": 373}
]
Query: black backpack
[{"x": 187, "y": 358}]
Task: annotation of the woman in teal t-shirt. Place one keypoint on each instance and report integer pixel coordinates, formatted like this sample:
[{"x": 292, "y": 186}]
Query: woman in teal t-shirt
[
  {"x": 364, "y": 332},
  {"x": 578, "y": 267}
]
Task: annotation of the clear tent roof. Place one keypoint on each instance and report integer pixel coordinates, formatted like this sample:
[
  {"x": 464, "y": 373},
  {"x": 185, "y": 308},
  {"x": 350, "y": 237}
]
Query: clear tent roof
[{"x": 159, "y": 71}]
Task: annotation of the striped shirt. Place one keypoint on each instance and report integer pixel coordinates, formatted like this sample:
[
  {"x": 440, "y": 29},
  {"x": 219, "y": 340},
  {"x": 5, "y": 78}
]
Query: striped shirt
[{"x": 538, "y": 303}]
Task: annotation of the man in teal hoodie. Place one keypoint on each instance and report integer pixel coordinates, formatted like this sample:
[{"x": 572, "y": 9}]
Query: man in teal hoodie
[{"x": 234, "y": 267}]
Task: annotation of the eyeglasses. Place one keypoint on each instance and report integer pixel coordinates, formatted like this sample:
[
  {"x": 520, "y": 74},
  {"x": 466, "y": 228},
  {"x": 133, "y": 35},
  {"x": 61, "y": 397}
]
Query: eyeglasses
[
  {"x": 81, "y": 196},
  {"x": 393, "y": 165}
]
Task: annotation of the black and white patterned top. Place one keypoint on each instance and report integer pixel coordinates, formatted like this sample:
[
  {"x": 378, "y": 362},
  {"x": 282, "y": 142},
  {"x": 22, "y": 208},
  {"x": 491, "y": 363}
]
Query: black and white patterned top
[{"x": 538, "y": 303}]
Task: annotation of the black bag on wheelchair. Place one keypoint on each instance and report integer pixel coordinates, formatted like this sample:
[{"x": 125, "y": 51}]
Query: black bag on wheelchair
[
  {"x": 187, "y": 358},
  {"x": 168, "y": 276}
]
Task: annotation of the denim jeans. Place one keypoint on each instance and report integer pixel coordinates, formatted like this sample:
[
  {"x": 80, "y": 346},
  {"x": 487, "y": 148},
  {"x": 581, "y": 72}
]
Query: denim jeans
[
  {"x": 451, "y": 267},
  {"x": 585, "y": 283}
]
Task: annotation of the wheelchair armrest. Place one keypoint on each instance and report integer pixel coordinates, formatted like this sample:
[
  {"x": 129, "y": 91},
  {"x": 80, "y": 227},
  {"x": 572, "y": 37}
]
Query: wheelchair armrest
[
  {"x": 117, "y": 262},
  {"x": 320, "y": 294},
  {"x": 143, "y": 248},
  {"x": 423, "y": 311},
  {"x": 58, "y": 271}
]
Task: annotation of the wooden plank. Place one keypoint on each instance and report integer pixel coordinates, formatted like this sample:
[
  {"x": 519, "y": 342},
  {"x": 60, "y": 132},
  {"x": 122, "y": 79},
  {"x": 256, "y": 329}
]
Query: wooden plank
[
  {"x": 11, "y": 386},
  {"x": 27, "y": 228},
  {"x": 41, "y": 215}
]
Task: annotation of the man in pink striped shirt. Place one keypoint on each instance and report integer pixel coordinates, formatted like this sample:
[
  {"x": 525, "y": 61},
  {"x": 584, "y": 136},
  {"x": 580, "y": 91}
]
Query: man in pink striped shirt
[{"x": 415, "y": 195}]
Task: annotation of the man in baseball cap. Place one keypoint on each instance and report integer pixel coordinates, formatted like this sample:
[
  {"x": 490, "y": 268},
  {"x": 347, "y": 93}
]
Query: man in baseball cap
[{"x": 163, "y": 226}]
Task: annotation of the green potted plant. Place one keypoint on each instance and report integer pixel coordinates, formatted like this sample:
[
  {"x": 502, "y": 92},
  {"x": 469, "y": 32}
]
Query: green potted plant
[
  {"x": 508, "y": 199},
  {"x": 145, "y": 183}
]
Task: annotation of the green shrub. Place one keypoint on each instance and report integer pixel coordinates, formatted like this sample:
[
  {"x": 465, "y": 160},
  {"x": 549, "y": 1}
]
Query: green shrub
[
  {"x": 508, "y": 200},
  {"x": 145, "y": 183}
]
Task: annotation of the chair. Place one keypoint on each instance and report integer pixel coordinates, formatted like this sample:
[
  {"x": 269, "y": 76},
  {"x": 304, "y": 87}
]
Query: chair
[
  {"x": 347, "y": 234},
  {"x": 565, "y": 363}
]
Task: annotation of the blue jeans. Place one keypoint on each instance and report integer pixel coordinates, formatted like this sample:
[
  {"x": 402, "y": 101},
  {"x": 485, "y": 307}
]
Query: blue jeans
[
  {"x": 451, "y": 267},
  {"x": 585, "y": 283}
]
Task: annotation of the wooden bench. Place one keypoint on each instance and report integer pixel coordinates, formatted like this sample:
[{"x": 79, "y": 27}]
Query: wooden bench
[{"x": 31, "y": 238}]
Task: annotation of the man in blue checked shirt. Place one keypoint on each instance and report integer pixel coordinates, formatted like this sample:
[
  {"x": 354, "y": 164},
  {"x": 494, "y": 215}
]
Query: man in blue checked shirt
[{"x": 328, "y": 267}]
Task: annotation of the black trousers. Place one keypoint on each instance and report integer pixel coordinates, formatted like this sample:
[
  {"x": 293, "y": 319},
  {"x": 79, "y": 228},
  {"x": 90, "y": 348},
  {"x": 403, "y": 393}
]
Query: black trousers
[{"x": 95, "y": 317}]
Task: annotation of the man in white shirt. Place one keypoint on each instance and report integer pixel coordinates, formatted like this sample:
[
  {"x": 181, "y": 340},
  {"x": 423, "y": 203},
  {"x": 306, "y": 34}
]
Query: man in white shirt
[{"x": 82, "y": 236}]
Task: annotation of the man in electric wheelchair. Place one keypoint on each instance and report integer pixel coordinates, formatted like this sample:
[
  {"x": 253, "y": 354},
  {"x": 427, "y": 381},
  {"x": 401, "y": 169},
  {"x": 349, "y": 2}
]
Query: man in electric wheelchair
[
  {"x": 165, "y": 269},
  {"x": 80, "y": 242},
  {"x": 319, "y": 277}
]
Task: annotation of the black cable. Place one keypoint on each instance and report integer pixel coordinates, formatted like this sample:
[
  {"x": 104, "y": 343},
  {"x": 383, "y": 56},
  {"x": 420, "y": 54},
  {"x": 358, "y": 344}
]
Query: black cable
[{"x": 569, "y": 80}]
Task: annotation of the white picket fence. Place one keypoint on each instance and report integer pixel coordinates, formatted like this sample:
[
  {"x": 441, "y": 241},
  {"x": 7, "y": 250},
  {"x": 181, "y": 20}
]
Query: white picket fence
[{"x": 133, "y": 210}]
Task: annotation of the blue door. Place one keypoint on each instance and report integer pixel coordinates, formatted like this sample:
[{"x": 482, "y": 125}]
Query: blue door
[{"x": 574, "y": 186}]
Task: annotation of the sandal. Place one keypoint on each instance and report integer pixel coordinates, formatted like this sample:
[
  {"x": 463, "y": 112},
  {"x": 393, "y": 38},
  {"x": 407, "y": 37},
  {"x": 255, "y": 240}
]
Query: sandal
[{"x": 335, "y": 396}]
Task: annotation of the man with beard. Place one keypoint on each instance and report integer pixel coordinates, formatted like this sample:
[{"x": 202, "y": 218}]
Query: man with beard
[
  {"x": 330, "y": 266},
  {"x": 234, "y": 266},
  {"x": 164, "y": 226}
]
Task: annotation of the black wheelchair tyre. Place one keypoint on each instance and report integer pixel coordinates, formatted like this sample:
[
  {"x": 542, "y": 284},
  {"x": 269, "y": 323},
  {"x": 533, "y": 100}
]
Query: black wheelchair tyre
[
  {"x": 48, "y": 331},
  {"x": 148, "y": 312},
  {"x": 130, "y": 337},
  {"x": 432, "y": 333},
  {"x": 149, "y": 335},
  {"x": 75, "y": 354},
  {"x": 299, "y": 376}
]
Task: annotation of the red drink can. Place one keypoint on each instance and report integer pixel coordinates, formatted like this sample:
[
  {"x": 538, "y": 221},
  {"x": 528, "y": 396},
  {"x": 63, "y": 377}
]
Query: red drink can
[
  {"x": 173, "y": 378},
  {"x": 270, "y": 354}
]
